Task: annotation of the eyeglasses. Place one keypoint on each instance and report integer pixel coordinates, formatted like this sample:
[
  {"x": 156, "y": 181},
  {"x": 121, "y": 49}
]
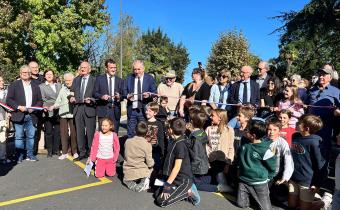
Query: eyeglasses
[{"x": 170, "y": 78}]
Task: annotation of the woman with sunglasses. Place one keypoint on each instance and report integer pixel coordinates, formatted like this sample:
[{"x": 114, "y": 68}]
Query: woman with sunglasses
[{"x": 219, "y": 92}]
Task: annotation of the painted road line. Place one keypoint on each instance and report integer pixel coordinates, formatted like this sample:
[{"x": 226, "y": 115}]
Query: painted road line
[
  {"x": 51, "y": 193},
  {"x": 102, "y": 181}
]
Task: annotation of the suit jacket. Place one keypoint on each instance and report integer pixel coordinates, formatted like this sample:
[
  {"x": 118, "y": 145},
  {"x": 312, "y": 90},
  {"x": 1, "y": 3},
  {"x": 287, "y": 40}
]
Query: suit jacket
[
  {"x": 49, "y": 97},
  {"x": 254, "y": 93},
  {"x": 149, "y": 85},
  {"x": 265, "y": 81},
  {"x": 101, "y": 88},
  {"x": 90, "y": 109},
  {"x": 16, "y": 97}
]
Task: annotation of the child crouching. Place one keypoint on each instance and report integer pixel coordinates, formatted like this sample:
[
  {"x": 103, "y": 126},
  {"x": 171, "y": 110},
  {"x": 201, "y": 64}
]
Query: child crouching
[
  {"x": 105, "y": 149},
  {"x": 179, "y": 176}
]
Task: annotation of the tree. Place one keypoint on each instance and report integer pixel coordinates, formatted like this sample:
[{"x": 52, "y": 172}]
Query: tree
[
  {"x": 160, "y": 54},
  {"x": 53, "y": 32},
  {"x": 112, "y": 44},
  {"x": 310, "y": 38},
  {"x": 230, "y": 51}
]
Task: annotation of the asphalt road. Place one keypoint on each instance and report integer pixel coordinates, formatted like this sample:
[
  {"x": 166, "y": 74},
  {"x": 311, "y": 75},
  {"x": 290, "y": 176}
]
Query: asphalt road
[{"x": 61, "y": 184}]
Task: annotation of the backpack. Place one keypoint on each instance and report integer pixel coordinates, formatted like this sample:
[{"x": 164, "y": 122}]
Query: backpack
[{"x": 197, "y": 152}]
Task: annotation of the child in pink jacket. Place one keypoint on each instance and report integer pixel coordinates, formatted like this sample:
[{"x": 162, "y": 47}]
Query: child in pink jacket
[{"x": 105, "y": 149}]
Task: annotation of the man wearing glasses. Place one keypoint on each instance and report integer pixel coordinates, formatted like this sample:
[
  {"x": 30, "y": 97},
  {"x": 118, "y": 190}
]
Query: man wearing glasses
[
  {"x": 262, "y": 74},
  {"x": 21, "y": 95},
  {"x": 172, "y": 89},
  {"x": 324, "y": 94}
]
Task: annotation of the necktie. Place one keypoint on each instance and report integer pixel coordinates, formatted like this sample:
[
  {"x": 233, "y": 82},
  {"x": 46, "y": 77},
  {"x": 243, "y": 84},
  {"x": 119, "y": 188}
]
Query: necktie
[
  {"x": 245, "y": 93},
  {"x": 110, "y": 88},
  {"x": 82, "y": 89},
  {"x": 139, "y": 92}
]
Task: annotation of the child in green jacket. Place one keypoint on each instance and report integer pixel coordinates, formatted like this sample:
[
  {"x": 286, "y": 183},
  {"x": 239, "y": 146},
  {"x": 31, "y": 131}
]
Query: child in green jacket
[{"x": 257, "y": 164}]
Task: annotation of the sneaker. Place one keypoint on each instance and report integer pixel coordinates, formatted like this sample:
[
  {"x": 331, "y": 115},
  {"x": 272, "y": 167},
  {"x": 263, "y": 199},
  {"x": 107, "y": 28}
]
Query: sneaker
[
  {"x": 195, "y": 197},
  {"x": 62, "y": 157},
  {"x": 327, "y": 200},
  {"x": 32, "y": 158},
  {"x": 224, "y": 188},
  {"x": 75, "y": 155},
  {"x": 146, "y": 185},
  {"x": 221, "y": 178}
]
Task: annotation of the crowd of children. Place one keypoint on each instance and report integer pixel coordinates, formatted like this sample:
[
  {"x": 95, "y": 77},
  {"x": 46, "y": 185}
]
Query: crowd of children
[{"x": 260, "y": 160}]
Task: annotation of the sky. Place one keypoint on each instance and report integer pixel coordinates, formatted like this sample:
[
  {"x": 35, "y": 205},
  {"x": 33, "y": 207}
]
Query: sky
[{"x": 198, "y": 23}]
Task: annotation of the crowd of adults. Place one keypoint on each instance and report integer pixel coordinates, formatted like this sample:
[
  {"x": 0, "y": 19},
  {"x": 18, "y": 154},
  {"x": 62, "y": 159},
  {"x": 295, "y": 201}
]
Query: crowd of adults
[{"x": 68, "y": 112}]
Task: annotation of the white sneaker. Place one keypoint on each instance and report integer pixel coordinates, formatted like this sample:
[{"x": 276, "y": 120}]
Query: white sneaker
[
  {"x": 224, "y": 188},
  {"x": 221, "y": 178},
  {"x": 327, "y": 200},
  {"x": 62, "y": 157},
  {"x": 75, "y": 155},
  {"x": 146, "y": 185}
]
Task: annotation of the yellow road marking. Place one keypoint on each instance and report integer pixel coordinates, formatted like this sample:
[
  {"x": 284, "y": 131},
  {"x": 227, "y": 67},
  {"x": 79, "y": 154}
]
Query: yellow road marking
[{"x": 102, "y": 181}]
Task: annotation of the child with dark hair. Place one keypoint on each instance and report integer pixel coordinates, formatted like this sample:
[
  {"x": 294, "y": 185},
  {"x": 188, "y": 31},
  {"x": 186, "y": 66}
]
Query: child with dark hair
[
  {"x": 105, "y": 149},
  {"x": 178, "y": 185},
  {"x": 164, "y": 111},
  {"x": 286, "y": 131},
  {"x": 308, "y": 163},
  {"x": 138, "y": 160},
  {"x": 257, "y": 165}
]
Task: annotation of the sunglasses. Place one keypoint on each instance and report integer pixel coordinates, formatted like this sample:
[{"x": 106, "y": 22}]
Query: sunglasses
[
  {"x": 224, "y": 76},
  {"x": 170, "y": 78}
]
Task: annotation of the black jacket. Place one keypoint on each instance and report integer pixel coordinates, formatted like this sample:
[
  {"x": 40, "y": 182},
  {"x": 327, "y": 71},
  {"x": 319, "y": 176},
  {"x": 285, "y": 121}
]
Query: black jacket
[
  {"x": 196, "y": 144},
  {"x": 16, "y": 97}
]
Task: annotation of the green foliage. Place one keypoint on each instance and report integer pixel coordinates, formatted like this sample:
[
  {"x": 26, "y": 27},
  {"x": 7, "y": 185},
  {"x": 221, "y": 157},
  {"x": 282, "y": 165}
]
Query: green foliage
[
  {"x": 230, "y": 51},
  {"x": 310, "y": 38},
  {"x": 130, "y": 34},
  {"x": 160, "y": 54},
  {"x": 54, "y": 32}
]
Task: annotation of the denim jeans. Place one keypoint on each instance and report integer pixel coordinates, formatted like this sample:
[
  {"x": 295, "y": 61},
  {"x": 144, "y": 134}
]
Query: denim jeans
[
  {"x": 336, "y": 200},
  {"x": 260, "y": 193},
  {"x": 25, "y": 131}
]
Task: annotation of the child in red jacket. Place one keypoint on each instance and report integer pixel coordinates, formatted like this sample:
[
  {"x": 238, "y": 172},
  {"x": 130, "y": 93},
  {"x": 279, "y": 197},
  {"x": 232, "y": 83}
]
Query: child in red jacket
[{"x": 105, "y": 149}]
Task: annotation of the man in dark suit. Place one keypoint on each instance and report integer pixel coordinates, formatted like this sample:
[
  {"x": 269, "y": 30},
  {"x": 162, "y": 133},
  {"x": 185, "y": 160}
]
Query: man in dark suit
[
  {"x": 23, "y": 94},
  {"x": 108, "y": 91},
  {"x": 138, "y": 87},
  {"x": 84, "y": 110},
  {"x": 245, "y": 91},
  {"x": 262, "y": 76}
]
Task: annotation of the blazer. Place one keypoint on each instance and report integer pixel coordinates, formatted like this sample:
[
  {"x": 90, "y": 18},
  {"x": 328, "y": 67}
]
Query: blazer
[
  {"x": 149, "y": 85},
  {"x": 90, "y": 109},
  {"x": 16, "y": 97},
  {"x": 101, "y": 88},
  {"x": 265, "y": 81},
  {"x": 254, "y": 93},
  {"x": 49, "y": 97}
]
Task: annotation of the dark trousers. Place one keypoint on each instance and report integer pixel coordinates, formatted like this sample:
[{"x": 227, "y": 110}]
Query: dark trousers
[
  {"x": 84, "y": 141},
  {"x": 135, "y": 116},
  {"x": 65, "y": 125},
  {"x": 260, "y": 193},
  {"x": 38, "y": 135},
  {"x": 177, "y": 194},
  {"x": 3, "y": 150},
  {"x": 203, "y": 183},
  {"x": 52, "y": 134}
]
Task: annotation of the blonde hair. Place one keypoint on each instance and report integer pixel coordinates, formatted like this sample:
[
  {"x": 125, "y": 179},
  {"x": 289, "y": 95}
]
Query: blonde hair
[{"x": 223, "y": 115}]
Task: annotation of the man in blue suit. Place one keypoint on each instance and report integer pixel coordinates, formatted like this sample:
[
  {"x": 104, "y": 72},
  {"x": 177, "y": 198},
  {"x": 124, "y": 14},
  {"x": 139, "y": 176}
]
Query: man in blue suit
[
  {"x": 138, "y": 87},
  {"x": 108, "y": 91}
]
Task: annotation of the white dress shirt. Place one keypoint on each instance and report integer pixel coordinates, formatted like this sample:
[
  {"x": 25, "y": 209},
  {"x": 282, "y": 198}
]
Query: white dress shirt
[
  {"x": 135, "y": 97},
  {"x": 112, "y": 83},
  {"x": 28, "y": 93}
]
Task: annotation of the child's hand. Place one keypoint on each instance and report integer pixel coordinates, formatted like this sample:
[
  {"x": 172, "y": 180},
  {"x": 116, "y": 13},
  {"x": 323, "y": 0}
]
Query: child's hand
[
  {"x": 280, "y": 181},
  {"x": 314, "y": 189},
  {"x": 88, "y": 161}
]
